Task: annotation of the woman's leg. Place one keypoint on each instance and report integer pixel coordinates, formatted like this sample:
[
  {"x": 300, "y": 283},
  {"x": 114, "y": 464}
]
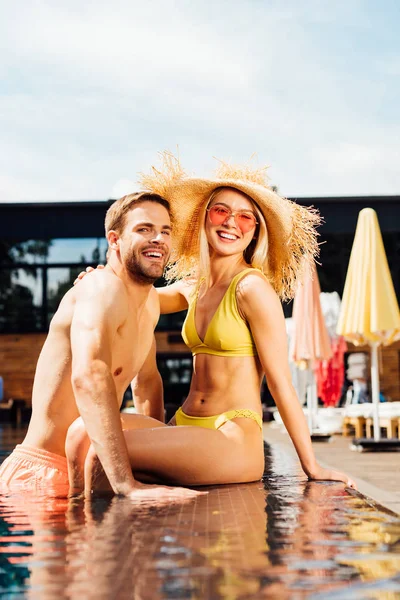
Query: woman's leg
[
  {"x": 188, "y": 455},
  {"x": 198, "y": 456}
]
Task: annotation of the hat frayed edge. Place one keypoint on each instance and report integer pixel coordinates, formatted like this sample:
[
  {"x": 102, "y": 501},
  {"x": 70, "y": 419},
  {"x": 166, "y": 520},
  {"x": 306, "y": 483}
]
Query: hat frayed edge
[
  {"x": 302, "y": 246},
  {"x": 159, "y": 180},
  {"x": 303, "y": 249}
]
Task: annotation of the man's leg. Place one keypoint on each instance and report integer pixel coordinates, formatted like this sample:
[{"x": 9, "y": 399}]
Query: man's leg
[{"x": 77, "y": 447}]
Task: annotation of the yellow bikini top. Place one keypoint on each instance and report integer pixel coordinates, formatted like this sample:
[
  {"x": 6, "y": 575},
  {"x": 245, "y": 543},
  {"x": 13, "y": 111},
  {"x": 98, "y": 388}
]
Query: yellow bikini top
[{"x": 227, "y": 333}]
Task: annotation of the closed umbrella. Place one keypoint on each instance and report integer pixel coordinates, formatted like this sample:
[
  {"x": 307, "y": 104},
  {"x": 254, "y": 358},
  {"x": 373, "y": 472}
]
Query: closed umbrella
[
  {"x": 310, "y": 341},
  {"x": 370, "y": 311}
]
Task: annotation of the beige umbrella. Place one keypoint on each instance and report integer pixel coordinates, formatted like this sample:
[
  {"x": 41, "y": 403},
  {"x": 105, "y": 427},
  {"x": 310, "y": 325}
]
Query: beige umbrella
[
  {"x": 369, "y": 312},
  {"x": 310, "y": 341}
]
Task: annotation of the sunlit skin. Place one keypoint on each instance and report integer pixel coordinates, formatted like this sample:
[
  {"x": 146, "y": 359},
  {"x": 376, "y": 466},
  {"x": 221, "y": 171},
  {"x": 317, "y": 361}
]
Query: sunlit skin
[
  {"x": 233, "y": 453},
  {"x": 218, "y": 382},
  {"x": 100, "y": 337}
]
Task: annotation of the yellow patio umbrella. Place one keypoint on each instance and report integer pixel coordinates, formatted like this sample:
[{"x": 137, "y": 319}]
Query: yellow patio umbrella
[
  {"x": 369, "y": 312},
  {"x": 310, "y": 341}
]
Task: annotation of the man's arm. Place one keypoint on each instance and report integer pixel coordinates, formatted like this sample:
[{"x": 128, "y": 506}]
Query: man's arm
[
  {"x": 101, "y": 308},
  {"x": 147, "y": 388}
]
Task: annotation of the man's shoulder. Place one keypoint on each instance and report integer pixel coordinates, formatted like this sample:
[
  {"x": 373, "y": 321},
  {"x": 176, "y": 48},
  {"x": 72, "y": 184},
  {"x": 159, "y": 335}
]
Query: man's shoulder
[
  {"x": 103, "y": 290},
  {"x": 101, "y": 280}
]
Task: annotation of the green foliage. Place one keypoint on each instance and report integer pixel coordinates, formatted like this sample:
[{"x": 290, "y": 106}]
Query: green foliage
[{"x": 17, "y": 307}]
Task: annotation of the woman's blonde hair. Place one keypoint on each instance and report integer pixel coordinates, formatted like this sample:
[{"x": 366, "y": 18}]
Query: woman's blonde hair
[
  {"x": 256, "y": 252},
  {"x": 292, "y": 240}
]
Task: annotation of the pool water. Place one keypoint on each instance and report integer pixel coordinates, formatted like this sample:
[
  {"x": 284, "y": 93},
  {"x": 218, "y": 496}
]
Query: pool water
[{"x": 280, "y": 538}]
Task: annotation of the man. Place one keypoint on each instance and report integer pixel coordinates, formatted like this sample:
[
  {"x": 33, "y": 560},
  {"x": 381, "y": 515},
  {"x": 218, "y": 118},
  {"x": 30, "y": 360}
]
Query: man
[{"x": 99, "y": 339}]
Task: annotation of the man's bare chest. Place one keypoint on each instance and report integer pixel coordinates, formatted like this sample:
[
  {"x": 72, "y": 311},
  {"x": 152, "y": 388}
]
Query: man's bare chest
[{"x": 131, "y": 345}]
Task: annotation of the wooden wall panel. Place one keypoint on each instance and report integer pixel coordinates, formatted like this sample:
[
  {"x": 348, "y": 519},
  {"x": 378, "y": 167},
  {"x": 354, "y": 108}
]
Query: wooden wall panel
[
  {"x": 389, "y": 361},
  {"x": 18, "y": 358},
  {"x": 19, "y": 354},
  {"x": 171, "y": 342}
]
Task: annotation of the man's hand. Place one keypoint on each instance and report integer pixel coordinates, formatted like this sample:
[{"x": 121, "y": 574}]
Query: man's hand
[{"x": 162, "y": 494}]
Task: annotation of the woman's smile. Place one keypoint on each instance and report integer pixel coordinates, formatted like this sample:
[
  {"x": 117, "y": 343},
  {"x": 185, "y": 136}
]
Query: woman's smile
[{"x": 227, "y": 237}]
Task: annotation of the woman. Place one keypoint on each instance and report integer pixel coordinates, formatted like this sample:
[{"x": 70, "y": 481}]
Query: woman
[{"x": 241, "y": 248}]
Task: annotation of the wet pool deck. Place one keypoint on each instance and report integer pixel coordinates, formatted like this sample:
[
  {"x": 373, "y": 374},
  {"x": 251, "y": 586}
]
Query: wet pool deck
[
  {"x": 282, "y": 538},
  {"x": 377, "y": 474}
]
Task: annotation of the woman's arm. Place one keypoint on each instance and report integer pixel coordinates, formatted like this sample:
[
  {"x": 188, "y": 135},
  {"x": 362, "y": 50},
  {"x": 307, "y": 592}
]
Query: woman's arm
[
  {"x": 173, "y": 298},
  {"x": 262, "y": 309}
]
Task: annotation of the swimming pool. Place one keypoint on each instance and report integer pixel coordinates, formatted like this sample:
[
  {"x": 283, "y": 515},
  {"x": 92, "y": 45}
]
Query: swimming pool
[{"x": 280, "y": 538}]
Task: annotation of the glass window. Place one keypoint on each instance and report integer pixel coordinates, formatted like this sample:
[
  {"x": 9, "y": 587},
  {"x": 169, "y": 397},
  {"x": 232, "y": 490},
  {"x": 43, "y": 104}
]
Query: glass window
[
  {"x": 75, "y": 250},
  {"x": 172, "y": 322},
  {"x": 26, "y": 273},
  {"x": 335, "y": 255},
  {"x": 59, "y": 281},
  {"x": 80, "y": 250},
  {"x": 30, "y": 268},
  {"x": 176, "y": 372},
  {"x": 175, "y": 369},
  {"x": 21, "y": 300}
]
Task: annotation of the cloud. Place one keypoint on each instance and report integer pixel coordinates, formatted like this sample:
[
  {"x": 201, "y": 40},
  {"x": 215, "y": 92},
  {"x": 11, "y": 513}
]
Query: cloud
[
  {"x": 89, "y": 95},
  {"x": 122, "y": 188},
  {"x": 349, "y": 163}
]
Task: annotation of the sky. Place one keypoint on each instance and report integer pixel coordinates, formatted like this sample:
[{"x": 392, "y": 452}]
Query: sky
[{"x": 90, "y": 92}]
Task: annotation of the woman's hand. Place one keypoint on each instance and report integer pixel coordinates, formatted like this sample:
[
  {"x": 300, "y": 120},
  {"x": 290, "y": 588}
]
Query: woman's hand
[
  {"x": 321, "y": 474},
  {"x": 83, "y": 273}
]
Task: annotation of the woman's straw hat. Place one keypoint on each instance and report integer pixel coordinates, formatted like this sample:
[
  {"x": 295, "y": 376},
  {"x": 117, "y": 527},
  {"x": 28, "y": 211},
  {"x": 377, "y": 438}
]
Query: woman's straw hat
[{"x": 292, "y": 238}]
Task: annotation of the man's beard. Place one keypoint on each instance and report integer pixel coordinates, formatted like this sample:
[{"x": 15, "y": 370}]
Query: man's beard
[{"x": 141, "y": 273}]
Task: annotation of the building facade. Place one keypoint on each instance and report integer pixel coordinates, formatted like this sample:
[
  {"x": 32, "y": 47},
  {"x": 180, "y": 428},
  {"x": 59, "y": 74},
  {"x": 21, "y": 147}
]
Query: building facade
[{"x": 44, "y": 245}]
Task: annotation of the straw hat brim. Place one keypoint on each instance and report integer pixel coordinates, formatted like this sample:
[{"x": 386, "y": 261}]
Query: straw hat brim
[
  {"x": 189, "y": 197},
  {"x": 292, "y": 237}
]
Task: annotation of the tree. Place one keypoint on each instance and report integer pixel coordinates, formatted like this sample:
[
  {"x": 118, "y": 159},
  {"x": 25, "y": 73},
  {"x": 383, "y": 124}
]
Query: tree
[{"x": 17, "y": 307}]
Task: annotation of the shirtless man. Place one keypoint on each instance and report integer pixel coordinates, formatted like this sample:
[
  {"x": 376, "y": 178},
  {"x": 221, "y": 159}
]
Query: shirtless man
[{"x": 101, "y": 336}]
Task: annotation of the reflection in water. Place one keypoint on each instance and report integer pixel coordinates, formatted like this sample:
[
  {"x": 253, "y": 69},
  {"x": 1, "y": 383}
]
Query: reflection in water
[{"x": 280, "y": 538}]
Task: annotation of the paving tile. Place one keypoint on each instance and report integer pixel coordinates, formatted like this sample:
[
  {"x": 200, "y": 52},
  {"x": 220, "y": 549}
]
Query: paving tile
[{"x": 282, "y": 537}]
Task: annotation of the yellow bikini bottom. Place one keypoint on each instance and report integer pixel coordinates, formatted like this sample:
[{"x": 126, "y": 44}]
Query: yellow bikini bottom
[{"x": 216, "y": 421}]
